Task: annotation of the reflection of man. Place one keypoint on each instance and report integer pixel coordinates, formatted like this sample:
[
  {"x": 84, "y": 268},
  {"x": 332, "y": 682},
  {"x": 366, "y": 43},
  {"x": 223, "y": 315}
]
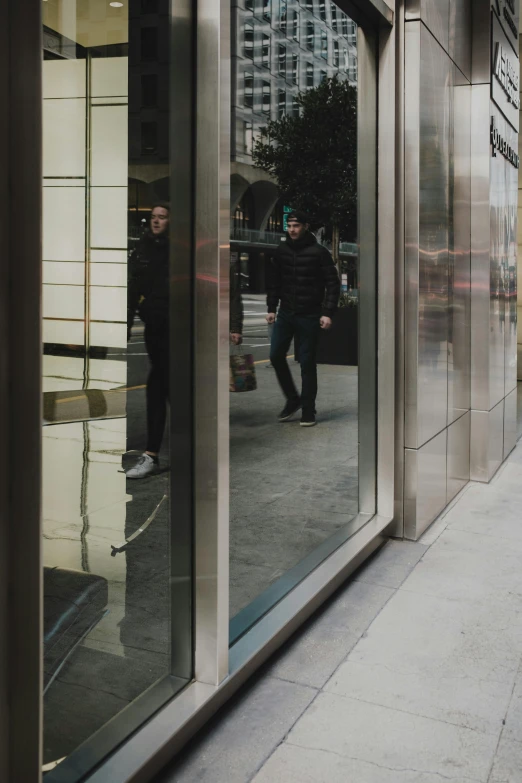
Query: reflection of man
[{"x": 306, "y": 285}]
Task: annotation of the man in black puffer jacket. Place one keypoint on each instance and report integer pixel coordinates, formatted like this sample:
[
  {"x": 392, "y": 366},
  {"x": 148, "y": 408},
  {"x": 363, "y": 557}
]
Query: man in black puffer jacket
[{"x": 305, "y": 285}]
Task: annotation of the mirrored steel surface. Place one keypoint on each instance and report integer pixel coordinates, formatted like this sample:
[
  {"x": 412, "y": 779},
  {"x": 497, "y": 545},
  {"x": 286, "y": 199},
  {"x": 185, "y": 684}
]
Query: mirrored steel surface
[
  {"x": 499, "y": 235},
  {"x": 459, "y": 295},
  {"x": 510, "y": 221},
  {"x": 428, "y": 147},
  {"x": 460, "y": 35},
  {"x": 367, "y": 230},
  {"x": 487, "y": 442},
  {"x": 212, "y": 232},
  {"x": 480, "y": 248},
  {"x": 510, "y": 423},
  {"x": 424, "y": 485},
  {"x": 458, "y": 456}
]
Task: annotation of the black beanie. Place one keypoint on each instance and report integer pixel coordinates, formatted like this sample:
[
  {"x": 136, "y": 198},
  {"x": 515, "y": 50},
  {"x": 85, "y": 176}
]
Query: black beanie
[{"x": 298, "y": 216}]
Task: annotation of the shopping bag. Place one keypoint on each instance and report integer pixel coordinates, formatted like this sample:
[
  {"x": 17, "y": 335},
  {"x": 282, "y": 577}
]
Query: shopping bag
[{"x": 242, "y": 373}]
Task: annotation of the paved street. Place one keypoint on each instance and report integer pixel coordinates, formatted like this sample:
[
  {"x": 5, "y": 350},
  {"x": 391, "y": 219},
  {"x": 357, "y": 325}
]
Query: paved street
[{"x": 412, "y": 672}]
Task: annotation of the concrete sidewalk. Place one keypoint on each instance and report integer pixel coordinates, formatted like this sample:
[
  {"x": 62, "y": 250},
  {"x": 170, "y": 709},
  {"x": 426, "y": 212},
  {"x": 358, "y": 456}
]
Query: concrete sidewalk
[{"x": 410, "y": 674}]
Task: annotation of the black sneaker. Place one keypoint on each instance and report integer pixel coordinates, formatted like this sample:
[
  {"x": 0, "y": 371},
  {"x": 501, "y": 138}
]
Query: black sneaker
[
  {"x": 291, "y": 407},
  {"x": 308, "y": 420}
]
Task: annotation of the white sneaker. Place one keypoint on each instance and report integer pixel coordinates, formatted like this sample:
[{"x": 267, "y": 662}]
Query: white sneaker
[{"x": 145, "y": 466}]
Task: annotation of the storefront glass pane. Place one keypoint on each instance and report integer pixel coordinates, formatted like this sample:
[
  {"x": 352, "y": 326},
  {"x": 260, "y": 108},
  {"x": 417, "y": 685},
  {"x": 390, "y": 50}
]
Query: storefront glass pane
[
  {"x": 108, "y": 542},
  {"x": 294, "y": 475}
]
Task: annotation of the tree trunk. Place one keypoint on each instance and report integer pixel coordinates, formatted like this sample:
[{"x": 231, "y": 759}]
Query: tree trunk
[{"x": 335, "y": 248}]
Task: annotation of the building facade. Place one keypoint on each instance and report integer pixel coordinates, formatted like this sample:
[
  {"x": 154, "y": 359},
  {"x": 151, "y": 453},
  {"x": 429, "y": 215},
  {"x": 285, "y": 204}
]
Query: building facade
[{"x": 131, "y": 610}]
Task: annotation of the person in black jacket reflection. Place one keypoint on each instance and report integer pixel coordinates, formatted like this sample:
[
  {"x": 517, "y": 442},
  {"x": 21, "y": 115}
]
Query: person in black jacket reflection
[
  {"x": 148, "y": 294},
  {"x": 305, "y": 285},
  {"x": 236, "y": 307}
]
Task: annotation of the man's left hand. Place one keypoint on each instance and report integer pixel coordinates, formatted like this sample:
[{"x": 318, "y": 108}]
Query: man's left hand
[
  {"x": 325, "y": 322},
  {"x": 236, "y": 338}
]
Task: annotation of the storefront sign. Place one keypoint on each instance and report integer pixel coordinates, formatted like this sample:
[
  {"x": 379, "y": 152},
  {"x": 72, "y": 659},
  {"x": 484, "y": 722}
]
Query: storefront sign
[
  {"x": 509, "y": 15},
  {"x": 505, "y": 76},
  {"x": 500, "y": 144}
]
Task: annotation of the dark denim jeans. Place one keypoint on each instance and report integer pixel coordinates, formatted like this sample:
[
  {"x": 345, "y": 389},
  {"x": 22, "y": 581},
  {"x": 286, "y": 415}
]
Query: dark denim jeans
[{"x": 305, "y": 328}]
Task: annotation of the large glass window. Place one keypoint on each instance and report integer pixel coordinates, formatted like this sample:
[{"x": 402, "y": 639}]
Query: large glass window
[
  {"x": 281, "y": 65},
  {"x": 295, "y": 68},
  {"x": 114, "y": 564},
  {"x": 283, "y": 16},
  {"x": 296, "y": 26},
  {"x": 249, "y": 41},
  {"x": 249, "y": 89},
  {"x": 294, "y": 436},
  {"x": 265, "y": 50},
  {"x": 310, "y": 35}
]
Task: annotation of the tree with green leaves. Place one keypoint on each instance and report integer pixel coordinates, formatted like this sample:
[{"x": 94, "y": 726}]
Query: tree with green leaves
[{"x": 313, "y": 158}]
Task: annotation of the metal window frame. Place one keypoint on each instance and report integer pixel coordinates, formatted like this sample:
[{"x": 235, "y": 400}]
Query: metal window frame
[
  {"x": 218, "y": 672},
  {"x": 21, "y": 625}
]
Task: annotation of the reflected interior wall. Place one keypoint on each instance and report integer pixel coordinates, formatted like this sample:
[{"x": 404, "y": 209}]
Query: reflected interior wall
[
  {"x": 460, "y": 260},
  {"x": 84, "y": 218}
]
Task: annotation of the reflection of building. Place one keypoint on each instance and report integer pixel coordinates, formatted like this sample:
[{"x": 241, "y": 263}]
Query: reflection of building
[
  {"x": 280, "y": 49},
  {"x": 148, "y": 106}
]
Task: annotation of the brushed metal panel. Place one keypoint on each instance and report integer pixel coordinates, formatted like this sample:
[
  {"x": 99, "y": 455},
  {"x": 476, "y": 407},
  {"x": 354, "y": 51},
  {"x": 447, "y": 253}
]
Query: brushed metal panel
[
  {"x": 510, "y": 272},
  {"x": 390, "y": 213},
  {"x": 487, "y": 442},
  {"x": 459, "y": 278},
  {"x": 460, "y": 32},
  {"x": 481, "y": 44},
  {"x": 367, "y": 225},
  {"x": 498, "y": 251},
  {"x": 424, "y": 485},
  {"x": 435, "y": 15},
  {"x": 480, "y": 247},
  {"x": 212, "y": 232},
  {"x": 458, "y": 456},
  {"x": 412, "y": 50},
  {"x": 510, "y": 423},
  {"x": 434, "y": 154}
]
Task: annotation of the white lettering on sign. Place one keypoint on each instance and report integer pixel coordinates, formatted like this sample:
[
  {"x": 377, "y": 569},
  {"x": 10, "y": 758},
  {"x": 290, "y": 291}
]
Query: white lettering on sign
[
  {"x": 506, "y": 76},
  {"x": 498, "y": 142}
]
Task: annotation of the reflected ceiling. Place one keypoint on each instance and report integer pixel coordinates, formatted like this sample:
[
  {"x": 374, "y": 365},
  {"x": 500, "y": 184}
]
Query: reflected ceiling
[{"x": 88, "y": 22}]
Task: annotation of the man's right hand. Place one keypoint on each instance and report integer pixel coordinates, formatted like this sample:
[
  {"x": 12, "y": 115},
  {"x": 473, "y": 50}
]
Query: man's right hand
[{"x": 270, "y": 318}]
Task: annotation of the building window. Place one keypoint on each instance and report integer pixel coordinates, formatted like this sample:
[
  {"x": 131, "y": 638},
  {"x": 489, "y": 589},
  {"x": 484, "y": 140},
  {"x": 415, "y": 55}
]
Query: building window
[
  {"x": 344, "y": 23},
  {"x": 324, "y": 76},
  {"x": 249, "y": 90},
  {"x": 247, "y": 137},
  {"x": 281, "y": 63},
  {"x": 333, "y": 12},
  {"x": 149, "y": 138},
  {"x": 265, "y": 90},
  {"x": 352, "y": 68},
  {"x": 310, "y": 35},
  {"x": 324, "y": 45},
  {"x": 309, "y": 5},
  {"x": 345, "y": 59},
  {"x": 352, "y": 32},
  {"x": 249, "y": 5},
  {"x": 336, "y": 54},
  {"x": 322, "y": 10},
  {"x": 309, "y": 75},
  {"x": 295, "y": 107},
  {"x": 281, "y": 104},
  {"x": 249, "y": 41},
  {"x": 296, "y": 26},
  {"x": 267, "y": 14},
  {"x": 149, "y": 43},
  {"x": 149, "y": 89},
  {"x": 283, "y": 16},
  {"x": 295, "y": 68},
  {"x": 265, "y": 50}
]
